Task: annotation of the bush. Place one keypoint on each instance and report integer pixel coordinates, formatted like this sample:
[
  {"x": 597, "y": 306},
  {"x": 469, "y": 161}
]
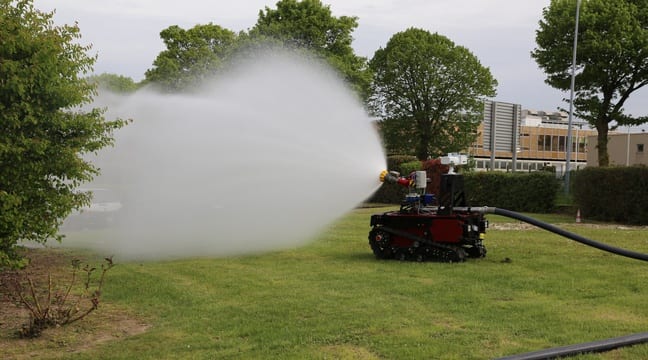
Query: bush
[
  {"x": 529, "y": 192},
  {"x": 612, "y": 193},
  {"x": 52, "y": 306},
  {"x": 409, "y": 167},
  {"x": 394, "y": 162}
]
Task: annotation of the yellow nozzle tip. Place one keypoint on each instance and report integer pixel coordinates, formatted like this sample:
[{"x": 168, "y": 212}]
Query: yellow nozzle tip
[{"x": 382, "y": 175}]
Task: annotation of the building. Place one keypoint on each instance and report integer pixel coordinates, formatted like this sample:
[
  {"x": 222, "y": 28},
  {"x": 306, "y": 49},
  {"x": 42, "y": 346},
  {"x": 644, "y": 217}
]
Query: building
[
  {"x": 529, "y": 139},
  {"x": 623, "y": 149}
]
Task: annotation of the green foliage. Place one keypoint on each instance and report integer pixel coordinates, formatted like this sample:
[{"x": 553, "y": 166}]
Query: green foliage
[
  {"x": 43, "y": 132},
  {"x": 116, "y": 83},
  {"x": 529, "y": 192},
  {"x": 612, "y": 61},
  {"x": 612, "y": 194},
  {"x": 429, "y": 94},
  {"x": 411, "y": 166},
  {"x": 193, "y": 55},
  {"x": 190, "y": 56},
  {"x": 394, "y": 162},
  {"x": 310, "y": 25}
]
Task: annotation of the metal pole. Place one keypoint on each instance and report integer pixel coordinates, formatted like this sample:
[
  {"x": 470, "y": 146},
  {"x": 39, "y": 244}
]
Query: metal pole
[
  {"x": 577, "y": 144},
  {"x": 493, "y": 134},
  {"x": 628, "y": 148},
  {"x": 571, "y": 100},
  {"x": 514, "y": 146}
]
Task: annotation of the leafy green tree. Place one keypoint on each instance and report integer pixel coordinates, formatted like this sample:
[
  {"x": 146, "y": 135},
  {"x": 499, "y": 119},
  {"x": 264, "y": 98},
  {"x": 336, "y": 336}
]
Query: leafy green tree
[
  {"x": 43, "y": 131},
  {"x": 309, "y": 24},
  {"x": 612, "y": 59},
  {"x": 190, "y": 56},
  {"x": 428, "y": 93},
  {"x": 116, "y": 83}
]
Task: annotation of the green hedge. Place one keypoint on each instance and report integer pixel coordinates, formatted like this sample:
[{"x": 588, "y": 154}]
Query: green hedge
[
  {"x": 516, "y": 191},
  {"x": 618, "y": 194},
  {"x": 394, "y": 162},
  {"x": 409, "y": 167}
]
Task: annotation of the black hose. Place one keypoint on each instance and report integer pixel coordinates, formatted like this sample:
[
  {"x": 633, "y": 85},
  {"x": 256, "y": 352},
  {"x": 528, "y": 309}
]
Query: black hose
[
  {"x": 567, "y": 234},
  {"x": 571, "y": 350}
]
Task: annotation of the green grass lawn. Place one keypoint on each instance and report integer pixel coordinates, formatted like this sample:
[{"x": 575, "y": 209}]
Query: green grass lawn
[{"x": 333, "y": 300}]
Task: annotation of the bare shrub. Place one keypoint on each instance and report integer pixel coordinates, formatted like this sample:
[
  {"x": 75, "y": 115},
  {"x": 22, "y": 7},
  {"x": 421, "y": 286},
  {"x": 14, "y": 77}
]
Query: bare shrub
[{"x": 50, "y": 305}]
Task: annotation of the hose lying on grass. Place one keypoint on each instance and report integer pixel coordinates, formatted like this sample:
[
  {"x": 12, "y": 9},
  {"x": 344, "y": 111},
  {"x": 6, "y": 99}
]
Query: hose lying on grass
[
  {"x": 577, "y": 349},
  {"x": 559, "y": 231},
  {"x": 571, "y": 350}
]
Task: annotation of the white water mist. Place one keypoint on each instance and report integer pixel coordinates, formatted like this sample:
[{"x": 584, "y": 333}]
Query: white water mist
[{"x": 261, "y": 159}]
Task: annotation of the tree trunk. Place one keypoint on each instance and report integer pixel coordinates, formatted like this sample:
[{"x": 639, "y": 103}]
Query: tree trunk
[
  {"x": 422, "y": 151},
  {"x": 425, "y": 138},
  {"x": 603, "y": 157}
]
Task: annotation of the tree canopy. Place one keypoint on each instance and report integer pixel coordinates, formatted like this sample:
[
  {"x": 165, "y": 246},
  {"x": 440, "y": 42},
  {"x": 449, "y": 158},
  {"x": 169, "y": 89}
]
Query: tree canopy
[
  {"x": 195, "y": 54},
  {"x": 611, "y": 61},
  {"x": 428, "y": 93},
  {"x": 190, "y": 56},
  {"x": 116, "y": 83},
  {"x": 43, "y": 131},
  {"x": 309, "y": 24}
]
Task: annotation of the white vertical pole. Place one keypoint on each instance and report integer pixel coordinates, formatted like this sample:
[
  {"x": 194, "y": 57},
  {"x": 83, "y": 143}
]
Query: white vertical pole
[
  {"x": 571, "y": 100},
  {"x": 628, "y": 148}
]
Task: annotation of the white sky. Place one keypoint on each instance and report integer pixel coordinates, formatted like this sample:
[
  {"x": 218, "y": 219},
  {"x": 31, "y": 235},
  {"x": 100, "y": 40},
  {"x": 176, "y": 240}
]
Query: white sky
[{"x": 501, "y": 33}]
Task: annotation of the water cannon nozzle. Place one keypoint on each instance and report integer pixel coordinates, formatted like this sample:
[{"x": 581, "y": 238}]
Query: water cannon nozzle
[
  {"x": 383, "y": 174},
  {"x": 390, "y": 176}
]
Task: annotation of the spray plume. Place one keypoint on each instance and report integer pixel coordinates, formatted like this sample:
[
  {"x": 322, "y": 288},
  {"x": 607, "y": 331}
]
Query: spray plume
[{"x": 261, "y": 159}]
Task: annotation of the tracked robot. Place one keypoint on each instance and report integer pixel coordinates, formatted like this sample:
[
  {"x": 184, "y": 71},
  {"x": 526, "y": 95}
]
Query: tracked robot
[{"x": 427, "y": 227}]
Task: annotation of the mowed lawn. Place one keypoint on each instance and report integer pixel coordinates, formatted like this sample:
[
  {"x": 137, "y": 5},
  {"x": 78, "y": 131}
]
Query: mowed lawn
[{"x": 333, "y": 300}]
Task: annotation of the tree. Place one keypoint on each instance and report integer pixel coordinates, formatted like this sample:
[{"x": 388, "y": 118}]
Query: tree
[
  {"x": 428, "y": 93},
  {"x": 43, "y": 131},
  {"x": 116, "y": 83},
  {"x": 309, "y": 24},
  {"x": 612, "y": 59},
  {"x": 190, "y": 56}
]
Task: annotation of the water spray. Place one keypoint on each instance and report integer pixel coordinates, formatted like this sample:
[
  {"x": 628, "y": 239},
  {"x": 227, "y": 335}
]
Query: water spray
[{"x": 195, "y": 170}]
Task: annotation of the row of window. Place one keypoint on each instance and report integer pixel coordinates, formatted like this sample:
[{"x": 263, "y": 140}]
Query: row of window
[
  {"x": 520, "y": 165},
  {"x": 558, "y": 143}
]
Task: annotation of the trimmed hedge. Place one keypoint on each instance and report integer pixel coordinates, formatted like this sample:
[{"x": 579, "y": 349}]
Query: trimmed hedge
[
  {"x": 517, "y": 191},
  {"x": 394, "y": 162},
  {"x": 618, "y": 194},
  {"x": 410, "y": 167}
]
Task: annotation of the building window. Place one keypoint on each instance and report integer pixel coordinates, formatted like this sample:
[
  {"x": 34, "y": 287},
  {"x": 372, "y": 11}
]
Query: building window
[
  {"x": 640, "y": 148},
  {"x": 544, "y": 142},
  {"x": 554, "y": 143}
]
